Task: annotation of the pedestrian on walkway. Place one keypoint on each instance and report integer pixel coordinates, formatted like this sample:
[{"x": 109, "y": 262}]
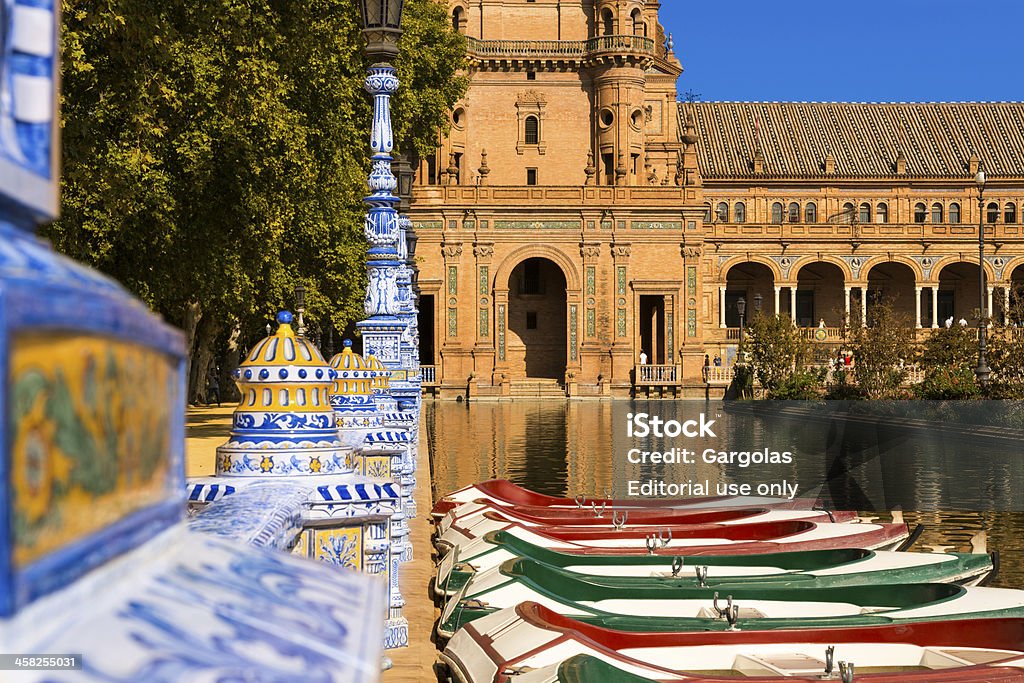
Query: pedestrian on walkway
[{"x": 213, "y": 389}]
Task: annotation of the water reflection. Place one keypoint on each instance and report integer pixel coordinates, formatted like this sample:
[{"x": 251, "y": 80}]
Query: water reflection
[{"x": 566, "y": 448}]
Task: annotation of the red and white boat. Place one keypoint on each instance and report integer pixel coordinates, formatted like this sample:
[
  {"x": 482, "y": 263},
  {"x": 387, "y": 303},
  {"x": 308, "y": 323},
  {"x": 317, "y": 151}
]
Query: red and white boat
[
  {"x": 502, "y": 492},
  {"x": 761, "y": 537},
  {"x": 468, "y": 515},
  {"x": 528, "y": 643}
]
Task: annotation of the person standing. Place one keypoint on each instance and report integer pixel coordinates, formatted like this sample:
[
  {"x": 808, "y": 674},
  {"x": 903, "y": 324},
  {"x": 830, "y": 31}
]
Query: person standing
[
  {"x": 213, "y": 389},
  {"x": 643, "y": 357}
]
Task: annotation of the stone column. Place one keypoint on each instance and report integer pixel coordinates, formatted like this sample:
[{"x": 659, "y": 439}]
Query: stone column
[
  {"x": 989, "y": 309},
  {"x": 846, "y": 302},
  {"x": 864, "y": 306},
  {"x": 778, "y": 303},
  {"x": 792, "y": 303},
  {"x": 917, "y": 307},
  {"x": 721, "y": 307},
  {"x": 935, "y": 307}
]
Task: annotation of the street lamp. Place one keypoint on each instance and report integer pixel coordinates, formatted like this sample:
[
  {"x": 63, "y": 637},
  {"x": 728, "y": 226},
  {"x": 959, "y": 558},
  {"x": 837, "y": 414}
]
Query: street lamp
[
  {"x": 982, "y": 372},
  {"x": 741, "y": 308},
  {"x": 382, "y": 26}
]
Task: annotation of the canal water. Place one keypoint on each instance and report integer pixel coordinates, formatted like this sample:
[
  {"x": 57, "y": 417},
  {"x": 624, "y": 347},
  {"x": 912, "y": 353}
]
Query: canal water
[{"x": 565, "y": 448}]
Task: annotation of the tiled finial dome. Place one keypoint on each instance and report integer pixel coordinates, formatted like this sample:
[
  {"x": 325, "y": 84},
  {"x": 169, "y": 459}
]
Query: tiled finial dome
[
  {"x": 284, "y": 423},
  {"x": 352, "y": 397},
  {"x": 381, "y": 386},
  {"x": 354, "y": 377},
  {"x": 381, "y": 375}
]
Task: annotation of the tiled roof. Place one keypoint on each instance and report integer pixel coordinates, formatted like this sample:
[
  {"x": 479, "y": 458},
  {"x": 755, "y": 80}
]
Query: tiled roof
[{"x": 936, "y": 138}]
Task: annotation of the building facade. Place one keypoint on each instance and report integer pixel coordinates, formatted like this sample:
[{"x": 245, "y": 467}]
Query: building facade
[{"x": 582, "y": 231}]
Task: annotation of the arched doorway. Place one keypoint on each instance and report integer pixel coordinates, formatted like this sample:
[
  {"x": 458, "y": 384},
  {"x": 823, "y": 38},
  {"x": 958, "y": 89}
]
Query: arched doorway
[
  {"x": 958, "y": 293},
  {"x": 1016, "y": 313},
  {"x": 820, "y": 295},
  {"x": 747, "y": 281},
  {"x": 537, "y": 346},
  {"x": 894, "y": 284}
]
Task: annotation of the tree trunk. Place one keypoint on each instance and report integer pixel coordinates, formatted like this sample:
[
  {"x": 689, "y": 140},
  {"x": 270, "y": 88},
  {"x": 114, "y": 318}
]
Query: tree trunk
[
  {"x": 193, "y": 314},
  {"x": 202, "y": 357},
  {"x": 229, "y": 361}
]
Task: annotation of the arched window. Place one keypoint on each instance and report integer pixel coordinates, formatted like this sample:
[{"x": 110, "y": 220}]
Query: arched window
[
  {"x": 993, "y": 212},
  {"x": 936, "y": 213},
  {"x": 1010, "y": 213},
  {"x": 865, "y": 213},
  {"x": 954, "y": 213},
  {"x": 707, "y": 212},
  {"x": 794, "y": 212},
  {"x": 607, "y": 22},
  {"x": 776, "y": 212},
  {"x": 723, "y": 212},
  {"x": 920, "y": 213},
  {"x": 532, "y": 130},
  {"x": 457, "y": 15},
  {"x": 811, "y": 213},
  {"x": 848, "y": 212},
  {"x": 882, "y": 213},
  {"x": 639, "y": 29},
  {"x": 740, "y": 212}
]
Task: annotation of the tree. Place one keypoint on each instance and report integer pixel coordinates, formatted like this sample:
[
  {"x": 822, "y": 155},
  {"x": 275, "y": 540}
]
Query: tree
[
  {"x": 881, "y": 351},
  {"x": 215, "y": 153},
  {"x": 1006, "y": 355},
  {"x": 948, "y": 357},
  {"x": 779, "y": 355}
]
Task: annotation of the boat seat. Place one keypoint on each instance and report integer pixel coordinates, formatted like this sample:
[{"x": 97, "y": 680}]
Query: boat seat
[
  {"x": 936, "y": 658},
  {"x": 779, "y": 664}
]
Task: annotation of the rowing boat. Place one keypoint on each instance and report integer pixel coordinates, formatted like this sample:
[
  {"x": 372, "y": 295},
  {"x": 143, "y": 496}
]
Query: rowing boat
[
  {"x": 833, "y": 567},
  {"x": 719, "y": 539},
  {"x": 530, "y": 644},
  {"x": 469, "y": 515},
  {"x": 505, "y": 493},
  {"x": 661, "y": 606}
]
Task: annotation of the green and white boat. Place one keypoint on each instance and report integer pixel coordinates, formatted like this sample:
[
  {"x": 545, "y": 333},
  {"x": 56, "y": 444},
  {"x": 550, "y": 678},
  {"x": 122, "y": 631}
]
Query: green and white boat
[
  {"x": 657, "y": 604},
  {"x": 808, "y": 569},
  {"x": 811, "y": 568}
]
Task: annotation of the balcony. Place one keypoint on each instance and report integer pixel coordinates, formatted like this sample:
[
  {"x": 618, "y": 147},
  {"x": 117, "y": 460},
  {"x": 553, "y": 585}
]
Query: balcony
[
  {"x": 428, "y": 375},
  {"x": 578, "y": 51},
  {"x": 657, "y": 374}
]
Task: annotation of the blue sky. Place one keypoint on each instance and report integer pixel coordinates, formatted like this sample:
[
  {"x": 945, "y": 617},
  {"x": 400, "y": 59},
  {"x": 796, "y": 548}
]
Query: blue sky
[{"x": 849, "y": 50}]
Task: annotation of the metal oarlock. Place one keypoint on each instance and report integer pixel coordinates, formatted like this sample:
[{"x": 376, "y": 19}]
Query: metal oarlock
[
  {"x": 830, "y": 659},
  {"x": 846, "y": 672},
  {"x": 702, "y": 576},
  {"x": 677, "y": 565},
  {"x": 617, "y": 521},
  {"x": 598, "y": 513},
  {"x": 581, "y": 500}
]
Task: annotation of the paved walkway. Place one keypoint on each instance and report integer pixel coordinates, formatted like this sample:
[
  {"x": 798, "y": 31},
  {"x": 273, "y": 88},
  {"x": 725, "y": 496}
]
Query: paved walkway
[{"x": 208, "y": 427}]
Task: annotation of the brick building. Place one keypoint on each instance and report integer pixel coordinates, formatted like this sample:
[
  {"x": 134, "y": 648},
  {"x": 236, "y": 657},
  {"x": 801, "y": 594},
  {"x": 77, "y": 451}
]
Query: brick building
[{"x": 578, "y": 216}]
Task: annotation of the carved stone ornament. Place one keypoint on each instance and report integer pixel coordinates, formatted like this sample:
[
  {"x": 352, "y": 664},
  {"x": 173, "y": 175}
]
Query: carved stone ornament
[
  {"x": 622, "y": 251},
  {"x": 483, "y": 250},
  {"x": 590, "y": 251},
  {"x": 452, "y": 250},
  {"x": 693, "y": 252}
]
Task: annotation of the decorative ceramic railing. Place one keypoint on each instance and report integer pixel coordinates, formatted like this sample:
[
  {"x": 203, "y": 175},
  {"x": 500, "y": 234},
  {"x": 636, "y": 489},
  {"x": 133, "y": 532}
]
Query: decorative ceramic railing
[
  {"x": 559, "y": 48},
  {"x": 656, "y": 374}
]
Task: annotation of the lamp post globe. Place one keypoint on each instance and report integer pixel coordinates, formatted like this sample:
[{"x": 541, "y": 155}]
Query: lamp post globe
[
  {"x": 382, "y": 26},
  {"x": 982, "y": 372},
  {"x": 741, "y": 308}
]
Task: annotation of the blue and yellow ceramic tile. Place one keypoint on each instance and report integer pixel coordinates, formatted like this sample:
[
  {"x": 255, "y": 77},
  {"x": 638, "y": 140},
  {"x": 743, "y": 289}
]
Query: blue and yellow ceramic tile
[
  {"x": 342, "y": 547},
  {"x": 90, "y": 424}
]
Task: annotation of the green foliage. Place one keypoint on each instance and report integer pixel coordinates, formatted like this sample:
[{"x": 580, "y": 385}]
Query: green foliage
[
  {"x": 216, "y": 153},
  {"x": 948, "y": 357},
  {"x": 881, "y": 352},
  {"x": 779, "y": 353},
  {"x": 842, "y": 387},
  {"x": 954, "y": 346},
  {"x": 949, "y": 383},
  {"x": 1006, "y": 359}
]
